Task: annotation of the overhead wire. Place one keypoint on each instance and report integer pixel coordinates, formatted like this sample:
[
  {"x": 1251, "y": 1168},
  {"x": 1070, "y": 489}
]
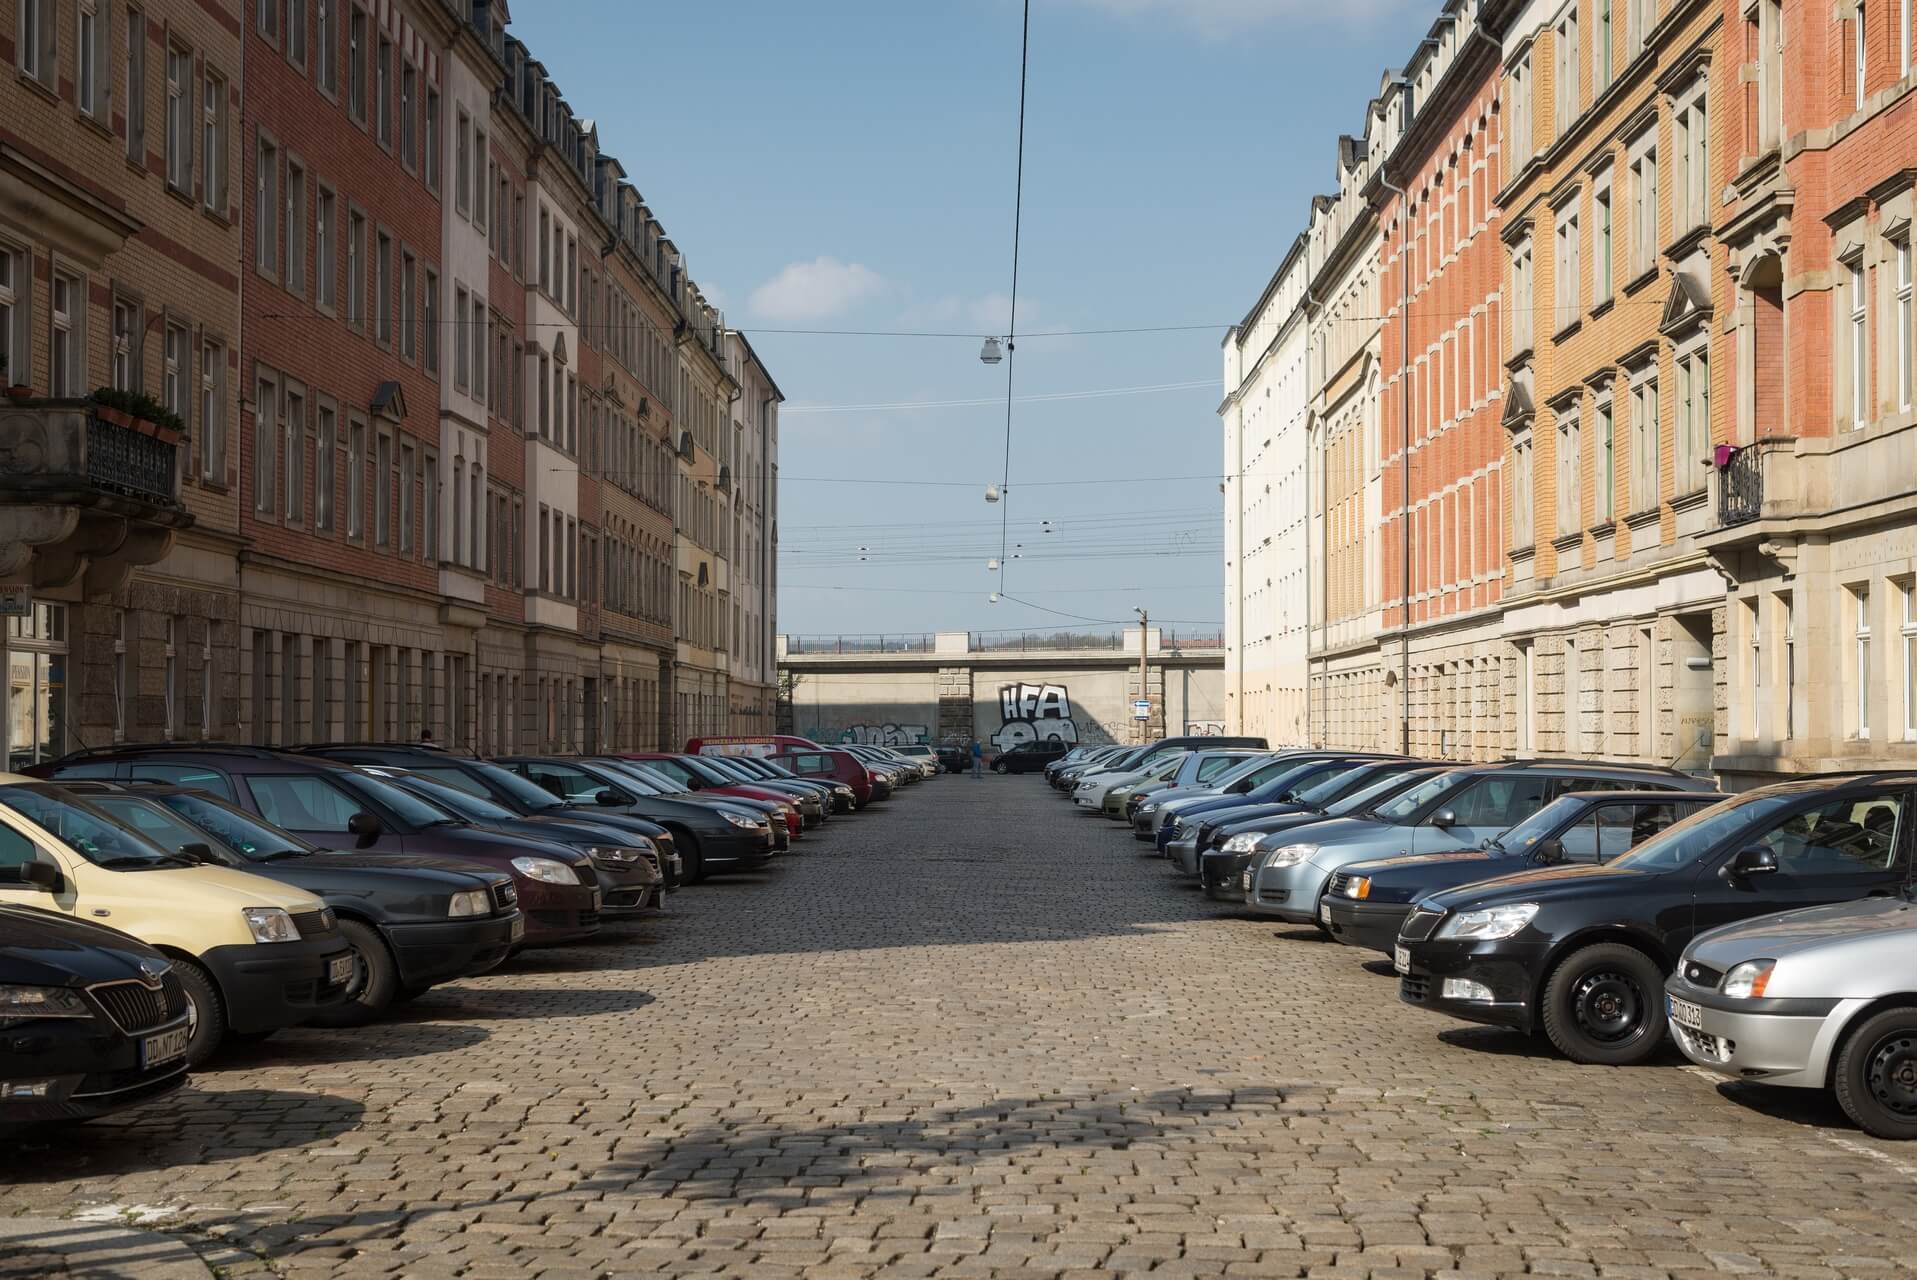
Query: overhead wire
[{"x": 1011, "y": 332}]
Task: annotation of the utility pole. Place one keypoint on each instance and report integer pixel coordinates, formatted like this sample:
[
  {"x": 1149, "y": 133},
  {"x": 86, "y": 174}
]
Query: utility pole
[{"x": 1144, "y": 690}]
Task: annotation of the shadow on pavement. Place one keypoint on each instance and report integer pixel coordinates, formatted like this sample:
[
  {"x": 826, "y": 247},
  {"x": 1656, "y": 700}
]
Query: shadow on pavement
[
  {"x": 497, "y": 1003},
  {"x": 1816, "y": 1107},
  {"x": 315, "y": 1046}
]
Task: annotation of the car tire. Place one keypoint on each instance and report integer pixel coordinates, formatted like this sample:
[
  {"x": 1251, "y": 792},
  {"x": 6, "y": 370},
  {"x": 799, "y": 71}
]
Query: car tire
[
  {"x": 1001, "y": 768},
  {"x": 695, "y": 864},
  {"x": 1604, "y": 1006},
  {"x": 1874, "y": 1072},
  {"x": 376, "y": 979},
  {"x": 206, "y": 1009}
]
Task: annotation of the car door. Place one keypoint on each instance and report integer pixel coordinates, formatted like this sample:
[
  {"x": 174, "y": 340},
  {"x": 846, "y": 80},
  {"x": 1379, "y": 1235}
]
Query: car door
[
  {"x": 1481, "y": 809},
  {"x": 1829, "y": 849},
  {"x": 1607, "y": 830},
  {"x": 317, "y": 809},
  {"x": 16, "y": 850}
]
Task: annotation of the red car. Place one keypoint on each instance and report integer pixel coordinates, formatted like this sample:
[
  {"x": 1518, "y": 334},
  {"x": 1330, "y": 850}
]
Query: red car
[
  {"x": 836, "y": 765},
  {"x": 695, "y": 775}
]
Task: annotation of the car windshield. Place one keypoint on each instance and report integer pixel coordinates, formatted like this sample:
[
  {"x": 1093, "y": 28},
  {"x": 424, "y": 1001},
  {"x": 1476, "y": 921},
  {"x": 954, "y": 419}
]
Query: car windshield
[
  {"x": 94, "y": 835},
  {"x": 1319, "y": 794},
  {"x": 1521, "y": 836},
  {"x": 1168, "y": 769},
  {"x": 411, "y": 809},
  {"x": 1683, "y": 843},
  {"x": 463, "y": 803},
  {"x": 1361, "y": 800},
  {"x": 165, "y": 828},
  {"x": 522, "y": 790},
  {"x": 630, "y": 776},
  {"x": 1403, "y": 807},
  {"x": 247, "y": 835}
]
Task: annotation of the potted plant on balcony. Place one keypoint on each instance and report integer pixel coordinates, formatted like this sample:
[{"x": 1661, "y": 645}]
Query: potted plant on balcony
[
  {"x": 15, "y": 390},
  {"x": 137, "y": 411}
]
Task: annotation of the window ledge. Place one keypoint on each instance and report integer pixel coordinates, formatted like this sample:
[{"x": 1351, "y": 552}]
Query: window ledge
[
  {"x": 1642, "y": 278},
  {"x": 1568, "y": 328},
  {"x": 1643, "y": 518},
  {"x": 1568, "y": 541},
  {"x": 1603, "y": 305}
]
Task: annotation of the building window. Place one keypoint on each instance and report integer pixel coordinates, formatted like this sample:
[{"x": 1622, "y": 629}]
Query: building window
[
  {"x": 36, "y": 40},
  {"x": 1909, "y": 633},
  {"x": 408, "y": 114},
  {"x": 1643, "y": 16},
  {"x": 383, "y": 290},
  {"x": 356, "y": 24},
  {"x": 1644, "y": 444},
  {"x": 430, "y": 343},
  {"x": 296, "y": 32},
  {"x": 1754, "y": 671},
  {"x": 213, "y": 412},
  {"x": 1601, "y": 267},
  {"x": 462, "y": 341},
  {"x": 1521, "y": 492},
  {"x": 462, "y": 161},
  {"x": 356, "y": 271},
  {"x": 408, "y": 307},
  {"x": 1901, "y": 251},
  {"x": 1860, "y": 661},
  {"x": 1691, "y": 202},
  {"x": 431, "y": 164},
  {"x": 213, "y": 142},
  {"x": 481, "y": 188},
  {"x": 126, "y": 353},
  {"x": 383, "y": 490},
  {"x": 295, "y": 226},
  {"x": 326, "y": 33},
  {"x": 1565, "y": 86},
  {"x": 481, "y": 340},
  {"x": 295, "y": 455},
  {"x": 1601, "y": 55},
  {"x": 67, "y": 351},
  {"x": 1789, "y": 682},
  {"x": 407, "y": 482},
  {"x": 383, "y": 91},
  {"x": 266, "y": 208},
  {"x": 93, "y": 67},
  {"x": 177, "y": 371},
  {"x": 1606, "y": 462},
  {"x": 179, "y": 126},
  {"x": 1523, "y": 296},
  {"x": 1769, "y": 37},
  {"x": 356, "y": 479},
  {"x": 265, "y": 430},
  {"x": 1570, "y": 444},
  {"x": 1565, "y": 282},
  {"x": 1859, "y": 55},
  {"x": 1854, "y": 296},
  {"x": 326, "y": 249},
  {"x": 324, "y": 466},
  {"x": 1693, "y": 419},
  {"x": 266, "y": 17},
  {"x": 1521, "y": 110},
  {"x": 429, "y": 475},
  {"x": 1644, "y": 242}
]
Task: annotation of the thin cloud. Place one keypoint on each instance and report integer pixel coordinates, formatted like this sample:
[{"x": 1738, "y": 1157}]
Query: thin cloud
[
  {"x": 984, "y": 313},
  {"x": 806, "y": 292}
]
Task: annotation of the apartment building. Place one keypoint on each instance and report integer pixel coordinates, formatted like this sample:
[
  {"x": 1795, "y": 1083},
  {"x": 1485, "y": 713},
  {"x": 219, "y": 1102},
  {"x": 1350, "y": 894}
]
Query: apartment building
[
  {"x": 1441, "y": 536},
  {"x": 1813, "y": 511},
  {"x": 1267, "y": 504},
  {"x": 754, "y": 676},
  {"x": 119, "y": 247}
]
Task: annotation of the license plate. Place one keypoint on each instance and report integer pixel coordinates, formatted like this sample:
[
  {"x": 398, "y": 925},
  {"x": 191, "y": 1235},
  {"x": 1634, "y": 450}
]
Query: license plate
[
  {"x": 596, "y": 896},
  {"x": 1685, "y": 1014},
  {"x": 517, "y": 929},
  {"x": 1244, "y": 881},
  {"x": 1324, "y": 912},
  {"x": 339, "y": 970},
  {"x": 168, "y": 1046},
  {"x": 1401, "y": 959}
]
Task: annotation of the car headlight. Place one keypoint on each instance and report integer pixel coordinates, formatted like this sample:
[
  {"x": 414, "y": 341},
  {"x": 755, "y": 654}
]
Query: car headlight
[
  {"x": 473, "y": 902},
  {"x": 1358, "y": 887},
  {"x": 739, "y": 820},
  {"x": 545, "y": 869},
  {"x": 1290, "y": 855},
  {"x": 1244, "y": 842},
  {"x": 1173, "y": 825},
  {"x": 1747, "y": 981},
  {"x": 23, "y": 1004},
  {"x": 1150, "y": 806},
  {"x": 611, "y": 855},
  {"x": 1490, "y": 924},
  {"x": 842, "y": 790},
  {"x": 270, "y": 924}
]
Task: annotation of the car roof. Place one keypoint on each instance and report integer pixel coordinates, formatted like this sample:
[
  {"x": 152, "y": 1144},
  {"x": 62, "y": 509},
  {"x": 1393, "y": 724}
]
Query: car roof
[
  {"x": 225, "y": 754},
  {"x": 1660, "y": 796}
]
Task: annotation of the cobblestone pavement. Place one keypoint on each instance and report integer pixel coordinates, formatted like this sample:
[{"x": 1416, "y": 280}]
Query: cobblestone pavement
[{"x": 971, "y": 1034}]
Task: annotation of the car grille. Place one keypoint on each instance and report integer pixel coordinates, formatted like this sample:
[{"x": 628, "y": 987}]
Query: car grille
[
  {"x": 505, "y": 897},
  {"x": 1702, "y": 975},
  {"x": 1415, "y": 988},
  {"x": 565, "y": 919},
  {"x": 135, "y": 1007},
  {"x": 312, "y": 924},
  {"x": 1336, "y": 888},
  {"x": 1418, "y": 925}
]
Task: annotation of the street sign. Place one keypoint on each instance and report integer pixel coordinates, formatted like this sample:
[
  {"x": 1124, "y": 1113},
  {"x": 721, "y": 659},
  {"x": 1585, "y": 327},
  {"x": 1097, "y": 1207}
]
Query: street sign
[
  {"x": 1142, "y": 709},
  {"x": 16, "y": 601}
]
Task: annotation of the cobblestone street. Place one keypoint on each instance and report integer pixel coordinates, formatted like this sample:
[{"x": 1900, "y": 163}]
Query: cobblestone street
[{"x": 971, "y": 1033}]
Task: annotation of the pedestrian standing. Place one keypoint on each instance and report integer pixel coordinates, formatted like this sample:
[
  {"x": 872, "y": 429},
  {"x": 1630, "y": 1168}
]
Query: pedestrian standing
[{"x": 978, "y": 759}]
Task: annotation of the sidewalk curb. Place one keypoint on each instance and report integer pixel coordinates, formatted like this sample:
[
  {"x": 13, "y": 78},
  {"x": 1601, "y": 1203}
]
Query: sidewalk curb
[{"x": 102, "y": 1251}]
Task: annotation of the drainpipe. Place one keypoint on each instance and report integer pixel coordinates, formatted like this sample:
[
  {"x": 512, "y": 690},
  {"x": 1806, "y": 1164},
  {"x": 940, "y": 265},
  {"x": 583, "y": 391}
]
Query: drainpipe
[{"x": 1404, "y": 404}]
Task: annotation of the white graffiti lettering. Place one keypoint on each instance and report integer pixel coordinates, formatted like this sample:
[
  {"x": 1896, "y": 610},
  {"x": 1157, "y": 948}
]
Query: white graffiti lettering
[
  {"x": 1204, "y": 728},
  {"x": 1034, "y": 713},
  {"x": 883, "y": 735}
]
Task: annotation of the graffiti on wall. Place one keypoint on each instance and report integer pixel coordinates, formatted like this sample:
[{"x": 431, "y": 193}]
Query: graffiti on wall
[
  {"x": 1204, "y": 728},
  {"x": 883, "y": 735},
  {"x": 1034, "y": 713}
]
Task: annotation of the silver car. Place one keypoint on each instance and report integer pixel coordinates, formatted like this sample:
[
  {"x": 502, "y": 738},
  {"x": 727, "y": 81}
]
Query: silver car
[{"x": 1813, "y": 999}]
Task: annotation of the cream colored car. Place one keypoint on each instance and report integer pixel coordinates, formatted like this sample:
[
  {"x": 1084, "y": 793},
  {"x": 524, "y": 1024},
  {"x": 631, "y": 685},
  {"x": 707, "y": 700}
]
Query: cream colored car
[{"x": 252, "y": 954}]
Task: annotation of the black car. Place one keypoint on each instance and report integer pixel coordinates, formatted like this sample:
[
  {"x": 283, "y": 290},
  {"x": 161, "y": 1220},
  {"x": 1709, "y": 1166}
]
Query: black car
[
  {"x": 413, "y": 922},
  {"x": 835, "y": 797},
  {"x": 630, "y": 883},
  {"x": 710, "y": 837},
  {"x": 1029, "y": 757},
  {"x": 337, "y": 806},
  {"x": 1583, "y": 952},
  {"x": 955, "y": 756},
  {"x": 1369, "y": 900},
  {"x": 501, "y": 785},
  {"x": 91, "y": 1020}
]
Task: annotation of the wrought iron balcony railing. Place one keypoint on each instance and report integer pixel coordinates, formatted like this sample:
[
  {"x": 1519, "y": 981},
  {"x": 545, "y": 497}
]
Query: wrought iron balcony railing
[
  {"x": 125, "y": 461},
  {"x": 1740, "y": 486}
]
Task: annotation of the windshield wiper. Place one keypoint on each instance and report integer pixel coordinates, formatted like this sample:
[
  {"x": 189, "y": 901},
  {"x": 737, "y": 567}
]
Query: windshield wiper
[
  {"x": 1493, "y": 844},
  {"x": 142, "y": 860},
  {"x": 280, "y": 855}
]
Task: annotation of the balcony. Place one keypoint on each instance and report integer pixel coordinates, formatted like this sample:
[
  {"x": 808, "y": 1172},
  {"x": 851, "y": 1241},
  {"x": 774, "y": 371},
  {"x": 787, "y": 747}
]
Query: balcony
[
  {"x": 1740, "y": 486},
  {"x": 88, "y": 493}
]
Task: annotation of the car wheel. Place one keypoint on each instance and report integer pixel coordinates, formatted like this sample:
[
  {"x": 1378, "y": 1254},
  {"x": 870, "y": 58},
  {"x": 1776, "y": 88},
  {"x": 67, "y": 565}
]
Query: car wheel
[
  {"x": 1604, "y": 1005},
  {"x": 1876, "y": 1075},
  {"x": 1000, "y": 767},
  {"x": 206, "y": 1014},
  {"x": 694, "y": 869},
  {"x": 375, "y": 979}
]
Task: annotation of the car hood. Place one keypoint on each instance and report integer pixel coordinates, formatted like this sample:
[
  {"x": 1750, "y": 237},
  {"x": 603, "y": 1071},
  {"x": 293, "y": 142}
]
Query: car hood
[
  {"x": 423, "y": 867},
  {"x": 1336, "y": 833},
  {"x": 1865, "y": 926},
  {"x": 1248, "y": 817},
  {"x": 41, "y": 948},
  {"x": 1178, "y": 799},
  {"x": 1540, "y": 884},
  {"x": 579, "y": 830},
  {"x": 594, "y": 815},
  {"x": 1414, "y": 863},
  {"x": 497, "y": 842}
]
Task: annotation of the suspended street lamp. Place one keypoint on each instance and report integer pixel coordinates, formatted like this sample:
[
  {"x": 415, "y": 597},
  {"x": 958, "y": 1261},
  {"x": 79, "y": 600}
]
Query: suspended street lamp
[
  {"x": 990, "y": 353},
  {"x": 991, "y": 493}
]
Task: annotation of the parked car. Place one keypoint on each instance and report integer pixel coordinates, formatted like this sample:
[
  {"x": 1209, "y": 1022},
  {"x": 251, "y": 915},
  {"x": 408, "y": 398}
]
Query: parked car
[
  {"x": 1369, "y": 900},
  {"x": 640, "y": 779},
  {"x": 896, "y": 772},
  {"x": 1248, "y": 815},
  {"x": 501, "y": 785},
  {"x": 1821, "y": 998},
  {"x": 922, "y": 754},
  {"x": 412, "y": 922},
  {"x": 336, "y": 806},
  {"x": 691, "y": 773},
  {"x": 1072, "y": 757},
  {"x": 955, "y": 756},
  {"x": 1169, "y": 812},
  {"x": 835, "y": 765},
  {"x": 1449, "y": 812},
  {"x": 1583, "y": 952},
  {"x": 1195, "y": 769},
  {"x": 1197, "y": 742},
  {"x": 1092, "y": 788},
  {"x": 97, "y": 1021},
  {"x": 835, "y": 796},
  {"x": 925, "y": 768},
  {"x": 1028, "y": 757},
  {"x": 1113, "y": 758},
  {"x": 1116, "y": 793},
  {"x": 749, "y": 744},
  {"x": 709, "y": 837},
  {"x": 1224, "y": 865},
  {"x": 252, "y": 955}
]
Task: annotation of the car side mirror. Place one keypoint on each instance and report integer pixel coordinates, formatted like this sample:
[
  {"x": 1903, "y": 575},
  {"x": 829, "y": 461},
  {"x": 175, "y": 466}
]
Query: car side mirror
[
  {"x": 609, "y": 797},
  {"x": 1444, "y": 818},
  {"x": 366, "y": 826},
  {"x": 198, "y": 850},
  {"x": 1548, "y": 853},
  {"x": 1754, "y": 861},
  {"x": 34, "y": 875}
]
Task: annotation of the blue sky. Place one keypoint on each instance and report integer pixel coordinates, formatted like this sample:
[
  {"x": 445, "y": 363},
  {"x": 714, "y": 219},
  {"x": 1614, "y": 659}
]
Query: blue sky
[{"x": 849, "y": 165}]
